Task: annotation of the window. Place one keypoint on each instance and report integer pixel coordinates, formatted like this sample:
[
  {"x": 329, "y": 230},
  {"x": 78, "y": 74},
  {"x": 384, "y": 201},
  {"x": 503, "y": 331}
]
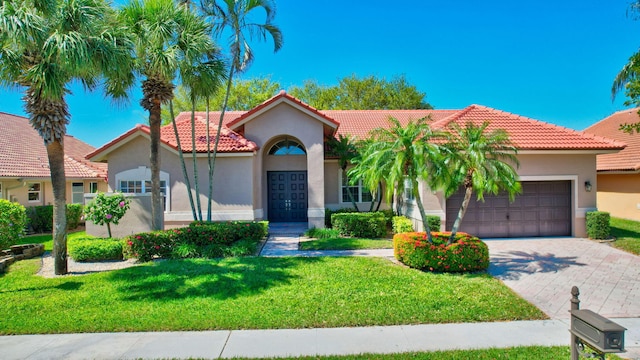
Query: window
[
  {"x": 360, "y": 193},
  {"x": 408, "y": 190},
  {"x": 143, "y": 187},
  {"x": 93, "y": 187},
  {"x": 33, "y": 192},
  {"x": 287, "y": 147},
  {"x": 1, "y": 195},
  {"x": 77, "y": 193},
  {"x": 138, "y": 181}
]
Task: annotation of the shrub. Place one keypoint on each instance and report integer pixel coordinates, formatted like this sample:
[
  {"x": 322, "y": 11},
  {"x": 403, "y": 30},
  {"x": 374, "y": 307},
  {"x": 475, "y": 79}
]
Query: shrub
[
  {"x": 74, "y": 215},
  {"x": 13, "y": 219},
  {"x": 322, "y": 233},
  {"x": 467, "y": 253},
  {"x": 40, "y": 218},
  {"x": 199, "y": 239},
  {"x": 366, "y": 225},
  {"x": 598, "y": 225},
  {"x": 107, "y": 209},
  {"x": 402, "y": 224},
  {"x": 388, "y": 215},
  {"x": 329, "y": 212},
  {"x": 146, "y": 246},
  {"x": 92, "y": 249},
  {"x": 434, "y": 222}
]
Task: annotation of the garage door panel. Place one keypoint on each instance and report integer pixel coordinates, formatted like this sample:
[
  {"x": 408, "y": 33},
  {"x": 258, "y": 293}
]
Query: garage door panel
[{"x": 543, "y": 209}]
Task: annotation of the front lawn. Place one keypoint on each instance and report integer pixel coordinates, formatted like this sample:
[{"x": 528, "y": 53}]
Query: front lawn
[
  {"x": 627, "y": 234},
  {"x": 47, "y": 239},
  {"x": 340, "y": 243},
  {"x": 249, "y": 293}
]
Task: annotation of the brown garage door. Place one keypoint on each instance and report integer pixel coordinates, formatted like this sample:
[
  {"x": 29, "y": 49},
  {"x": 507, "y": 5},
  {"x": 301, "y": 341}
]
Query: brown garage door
[{"x": 543, "y": 209}]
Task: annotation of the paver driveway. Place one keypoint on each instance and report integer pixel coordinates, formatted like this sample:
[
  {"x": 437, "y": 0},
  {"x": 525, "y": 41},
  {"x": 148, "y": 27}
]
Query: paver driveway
[{"x": 544, "y": 270}]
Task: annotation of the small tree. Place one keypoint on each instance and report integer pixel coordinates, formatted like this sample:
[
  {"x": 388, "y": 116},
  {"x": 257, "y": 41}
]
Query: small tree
[
  {"x": 13, "y": 218},
  {"x": 107, "y": 209}
]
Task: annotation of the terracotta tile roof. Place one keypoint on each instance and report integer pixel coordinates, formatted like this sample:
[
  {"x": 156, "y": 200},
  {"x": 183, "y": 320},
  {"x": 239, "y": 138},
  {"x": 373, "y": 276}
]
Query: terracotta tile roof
[
  {"x": 627, "y": 159},
  {"x": 23, "y": 154},
  {"x": 230, "y": 141},
  {"x": 530, "y": 134}
]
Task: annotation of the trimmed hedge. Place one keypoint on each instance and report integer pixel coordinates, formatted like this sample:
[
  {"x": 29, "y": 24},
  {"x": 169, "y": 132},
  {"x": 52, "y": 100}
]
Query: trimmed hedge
[
  {"x": 402, "y": 224},
  {"x": 92, "y": 249},
  {"x": 598, "y": 225},
  {"x": 199, "y": 239},
  {"x": 329, "y": 212},
  {"x": 360, "y": 225},
  {"x": 13, "y": 220},
  {"x": 467, "y": 253},
  {"x": 41, "y": 217}
]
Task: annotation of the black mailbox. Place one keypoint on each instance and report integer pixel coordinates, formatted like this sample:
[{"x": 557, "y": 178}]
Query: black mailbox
[{"x": 597, "y": 331}]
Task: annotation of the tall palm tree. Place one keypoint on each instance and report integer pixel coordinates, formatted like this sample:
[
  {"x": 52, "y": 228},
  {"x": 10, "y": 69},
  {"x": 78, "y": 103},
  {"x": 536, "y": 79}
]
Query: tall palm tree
[
  {"x": 169, "y": 40},
  {"x": 345, "y": 149},
  {"x": 234, "y": 17},
  {"x": 400, "y": 156},
  {"x": 44, "y": 46},
  {"x": 479, "y": 161}
]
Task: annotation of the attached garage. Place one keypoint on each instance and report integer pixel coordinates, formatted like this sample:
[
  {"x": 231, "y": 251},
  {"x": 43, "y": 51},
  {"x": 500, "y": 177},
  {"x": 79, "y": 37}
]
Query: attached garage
[{"x": 542, "y": 209}]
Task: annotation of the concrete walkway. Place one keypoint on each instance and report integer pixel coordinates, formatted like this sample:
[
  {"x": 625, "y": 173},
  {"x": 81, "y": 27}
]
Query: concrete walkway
[{"x": 542, "y": 271}]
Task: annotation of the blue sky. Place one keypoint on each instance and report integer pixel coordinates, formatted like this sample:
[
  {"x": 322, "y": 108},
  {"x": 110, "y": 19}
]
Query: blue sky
[{"x": 550, "y": 60}]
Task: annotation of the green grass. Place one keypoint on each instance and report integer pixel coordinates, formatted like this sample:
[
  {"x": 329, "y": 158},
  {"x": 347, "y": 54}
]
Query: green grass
[
  {"x": 250, "y": 293},
  {"x": 627, "y": 234},
  {"x": 340, "y": 243},
  {"x": 47, "y": 239},
  {"x": 514, "y": 353}
]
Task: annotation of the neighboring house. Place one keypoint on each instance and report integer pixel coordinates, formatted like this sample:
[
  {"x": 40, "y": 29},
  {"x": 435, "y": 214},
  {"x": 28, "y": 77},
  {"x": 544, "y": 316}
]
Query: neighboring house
[
  {"x": 272, "y": 165},
  {"x": 618, "y": 181},
  {"x": 24, "y": 166}
]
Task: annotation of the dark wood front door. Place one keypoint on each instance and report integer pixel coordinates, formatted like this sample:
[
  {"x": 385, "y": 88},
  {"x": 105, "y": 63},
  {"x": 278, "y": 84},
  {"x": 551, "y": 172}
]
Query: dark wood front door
[{"x": 287, "y": 196}]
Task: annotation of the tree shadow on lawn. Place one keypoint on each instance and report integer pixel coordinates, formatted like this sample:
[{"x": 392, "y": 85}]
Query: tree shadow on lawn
[
  {"x": 515, "y": 264},
  {"x": 69, "y": 285},
  {"x": 189, "y": 278}
]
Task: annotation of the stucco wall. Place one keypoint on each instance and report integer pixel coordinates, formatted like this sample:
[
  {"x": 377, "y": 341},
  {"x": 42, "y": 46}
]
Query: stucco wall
[
  {"x": 284, "y": 120},
  {"x": 619, "y": 194},
  {"x": 18, "y": 190},
  {"x": 232, "y": 182},
  {"x": 136, "y": 220}
]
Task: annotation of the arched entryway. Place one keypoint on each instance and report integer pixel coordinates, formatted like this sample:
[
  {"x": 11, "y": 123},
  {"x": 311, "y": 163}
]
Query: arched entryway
[{"x": 285, "y": 163}]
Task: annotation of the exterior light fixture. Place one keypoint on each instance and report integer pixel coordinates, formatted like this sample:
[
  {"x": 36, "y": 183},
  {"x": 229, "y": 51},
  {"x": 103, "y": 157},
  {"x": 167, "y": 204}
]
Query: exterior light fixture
[{"x": 587, "y": 186}]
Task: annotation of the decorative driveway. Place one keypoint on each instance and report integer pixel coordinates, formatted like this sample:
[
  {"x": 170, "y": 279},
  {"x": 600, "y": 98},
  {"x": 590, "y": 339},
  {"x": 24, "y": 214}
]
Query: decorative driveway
[{"x": 543, "y": 271}]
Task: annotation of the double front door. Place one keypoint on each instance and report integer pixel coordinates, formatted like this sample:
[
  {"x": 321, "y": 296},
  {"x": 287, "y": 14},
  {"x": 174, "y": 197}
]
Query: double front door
[{"x": 287, "y": 196}]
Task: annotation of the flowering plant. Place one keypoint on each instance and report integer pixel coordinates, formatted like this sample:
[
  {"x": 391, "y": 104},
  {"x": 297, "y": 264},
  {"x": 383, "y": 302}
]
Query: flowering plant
[{"x": 107, "y": 209}]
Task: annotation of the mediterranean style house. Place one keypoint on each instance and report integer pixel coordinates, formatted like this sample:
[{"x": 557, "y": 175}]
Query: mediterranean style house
[
  {"x": 272, "y": 164},
  {"x": 24, "y": 166},
  {"x": 619, "y": 174}
]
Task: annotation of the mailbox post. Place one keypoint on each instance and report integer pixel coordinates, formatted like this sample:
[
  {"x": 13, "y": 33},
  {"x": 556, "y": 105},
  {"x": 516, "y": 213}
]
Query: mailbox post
[{"x": 597, "y": 332}]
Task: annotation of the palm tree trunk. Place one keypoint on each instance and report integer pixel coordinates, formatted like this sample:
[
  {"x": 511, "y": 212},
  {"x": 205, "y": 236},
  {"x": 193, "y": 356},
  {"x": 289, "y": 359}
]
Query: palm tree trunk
[
  {"x": 212, "y": 162},
  {"x": 157, "y": 210},
  {"x": 423, "y": 214},
  {"x": 182, "y": 162},
  {"x": 194, "y": 153},
  {"x": 210, "y": 194},
  {"x": 55, "y": 153},
  {"x": 463, "y": 209}
]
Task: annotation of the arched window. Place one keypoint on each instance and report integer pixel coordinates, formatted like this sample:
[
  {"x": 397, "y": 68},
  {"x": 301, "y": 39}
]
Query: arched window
[{"x": 287, "y": 147}]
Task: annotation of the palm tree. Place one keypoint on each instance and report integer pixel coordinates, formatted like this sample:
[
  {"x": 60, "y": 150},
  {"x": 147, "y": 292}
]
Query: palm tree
[
  {"x": 479, "y": 161},
  {"x": 234, "y": 16},
  {"x": 169, "y": 40},
  {"x": 400, "y": 156},
  {"x": 345, "y": 149},
  {"x": 45, "y": 45}
]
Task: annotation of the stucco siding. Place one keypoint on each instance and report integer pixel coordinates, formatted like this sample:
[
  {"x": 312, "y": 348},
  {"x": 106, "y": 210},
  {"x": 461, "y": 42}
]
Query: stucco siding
[{"x": 619, "y": 195}]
